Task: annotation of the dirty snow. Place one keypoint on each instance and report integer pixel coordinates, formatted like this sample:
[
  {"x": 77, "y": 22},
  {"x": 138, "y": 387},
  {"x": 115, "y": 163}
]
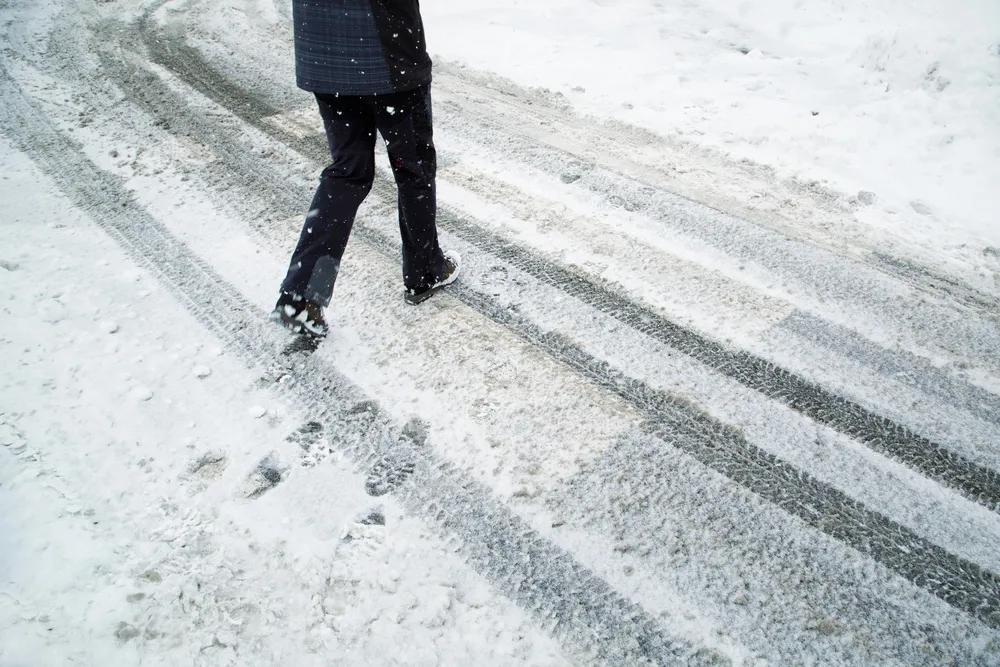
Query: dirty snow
[
  {"x": 131, "y": 525},
  {"x": 159, "y": 503}
]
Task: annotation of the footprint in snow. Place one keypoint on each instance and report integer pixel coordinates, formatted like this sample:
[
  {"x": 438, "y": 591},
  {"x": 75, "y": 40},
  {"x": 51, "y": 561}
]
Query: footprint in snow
[
  {"x": 209, "y": 465},
  {"x": 399, "y": 460},
  {"x": 374, "y": 517},
  {"x": 268, "y": 474},
  {"x": 12, "y": 438},
  {"x": 307, "y": 435},
  {"x": 126, "y": 632}
]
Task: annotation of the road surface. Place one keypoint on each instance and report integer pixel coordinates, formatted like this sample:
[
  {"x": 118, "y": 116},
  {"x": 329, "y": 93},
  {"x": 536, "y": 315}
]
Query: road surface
[{"x": 656, "y": 422}]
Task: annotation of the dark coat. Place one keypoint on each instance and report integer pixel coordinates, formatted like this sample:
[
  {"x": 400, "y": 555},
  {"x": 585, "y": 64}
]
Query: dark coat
[{"x": 359, "y": 47}]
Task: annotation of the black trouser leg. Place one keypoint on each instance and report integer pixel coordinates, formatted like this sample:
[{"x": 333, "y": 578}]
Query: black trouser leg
[
  {"x": 350, "y": 124},
  {"x": 405, "y": 122}
]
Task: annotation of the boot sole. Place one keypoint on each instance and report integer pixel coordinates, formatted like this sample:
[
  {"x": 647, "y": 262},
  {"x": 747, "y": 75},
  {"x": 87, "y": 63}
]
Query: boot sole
[
  {"x": 295, "y": 326},
  {"x": 420, "y": 297}
]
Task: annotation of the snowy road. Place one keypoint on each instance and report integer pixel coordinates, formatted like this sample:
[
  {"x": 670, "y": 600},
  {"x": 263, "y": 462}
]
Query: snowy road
[{"x": 658, "y": 421}]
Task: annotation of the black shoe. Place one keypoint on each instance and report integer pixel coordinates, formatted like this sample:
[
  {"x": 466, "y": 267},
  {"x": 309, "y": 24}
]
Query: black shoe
[
  {"x": 300, "y": 316},
  {"x": 452, "y": 264}
]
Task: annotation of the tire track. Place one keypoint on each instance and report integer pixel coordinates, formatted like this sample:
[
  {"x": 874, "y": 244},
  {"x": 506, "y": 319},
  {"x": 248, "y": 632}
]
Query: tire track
[
  {"x": 603, "y": 149},
  {"x": 706, "y": 288},
  {"x": 960, "y": 583},
  {"x": 881, "y": 434},
  {"x": 826, "y": 278},
  {"x": 579, "y": 608},
  {"x": 613, "y": 135}
]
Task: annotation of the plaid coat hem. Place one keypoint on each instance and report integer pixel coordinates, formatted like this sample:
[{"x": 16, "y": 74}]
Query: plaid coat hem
[{"x": 359, "y": 47}]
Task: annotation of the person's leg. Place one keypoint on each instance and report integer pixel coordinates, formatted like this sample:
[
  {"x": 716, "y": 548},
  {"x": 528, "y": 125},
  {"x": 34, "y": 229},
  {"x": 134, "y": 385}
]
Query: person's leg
[
  {"x": 350, "y": 124},
  {"x": 404, "y": 120}
]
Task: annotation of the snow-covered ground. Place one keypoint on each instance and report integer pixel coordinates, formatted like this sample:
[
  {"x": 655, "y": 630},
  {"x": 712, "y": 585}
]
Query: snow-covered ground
[
  {"x": 895, "y": 98},
  {"x": 137, "y": 526},
  {"x": 694, "y": 401},
  {"x": 129, "y": 444}
]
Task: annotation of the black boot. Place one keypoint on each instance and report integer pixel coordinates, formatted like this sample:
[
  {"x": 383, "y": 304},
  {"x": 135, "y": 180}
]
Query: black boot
[
  {"x": 300, "y": 316},
  {"x": 452, "y": 263}
]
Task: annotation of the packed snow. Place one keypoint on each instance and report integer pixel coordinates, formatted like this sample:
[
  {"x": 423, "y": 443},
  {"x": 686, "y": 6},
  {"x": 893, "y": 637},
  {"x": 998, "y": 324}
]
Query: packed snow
[{"x": 696, "y": 235}]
